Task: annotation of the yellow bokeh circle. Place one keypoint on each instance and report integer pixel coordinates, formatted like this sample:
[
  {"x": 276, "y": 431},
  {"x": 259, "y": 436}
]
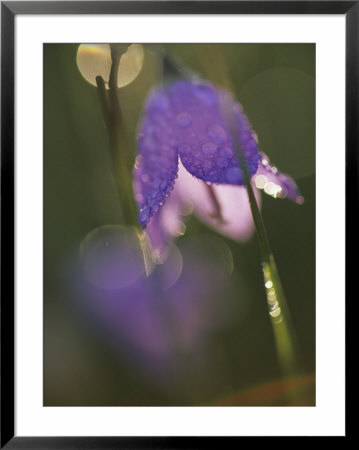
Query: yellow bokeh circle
[{"x": 95, "y": 59}]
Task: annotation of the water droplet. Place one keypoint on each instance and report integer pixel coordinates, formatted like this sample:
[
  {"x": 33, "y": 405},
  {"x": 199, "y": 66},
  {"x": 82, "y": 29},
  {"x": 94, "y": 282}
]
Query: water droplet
[
  {"x": 156, "y": 183},
  {"x": 222, "y": 163},
  {"x": 138, "y": 161},
  {"x": 144, "y": 215},
  {"x": 269, "y": 188},
  {"x": 193, "y": 137},
  {"x": 184, "y": 120},
  {"x": 206, "y": 94},
  {"x": 226, "y": 151},
  {"x": 209, "y": 148},
  {"x": 217, "y": 134},
  {"x": 260, "y": 181},
  {"x": 145, "y": 178},
  {"x": 300, "y": 200},
  {"x": 207, "y": 164}
]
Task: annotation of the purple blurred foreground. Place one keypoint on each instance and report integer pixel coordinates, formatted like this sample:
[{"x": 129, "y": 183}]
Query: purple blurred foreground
[{"x": 152, "y": 320}]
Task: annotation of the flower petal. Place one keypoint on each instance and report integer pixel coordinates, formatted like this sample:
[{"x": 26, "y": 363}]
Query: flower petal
[
  {"x": 166, "y": 224},
  {"x": 186, "y": 119},
  {"x": 275, "y": 183},
  {"x": 157, "y": 160},
  {"x": 204, "y": 140},
  {"x": 224, "y": 208}
]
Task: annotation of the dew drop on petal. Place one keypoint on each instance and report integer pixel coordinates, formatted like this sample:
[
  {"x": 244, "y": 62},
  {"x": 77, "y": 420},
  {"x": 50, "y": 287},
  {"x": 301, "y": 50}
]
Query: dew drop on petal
[
  {"x": 145, "y": 178},
  {"x": 299, "y": 200},
  {"x": 222, "y": 162},
  {"x": 217, "y": 134},
  {"x": 184, "y": 120},
  {"x": 209, "y": 148},
  {"x": 144, "y": 214},
  {"x": 207, "y": 164},
  {"x": 260, "y": 181},
  {"x": 272, "y": 189},
  {"x": 226, "y": 151},
  {"x": 206, "y": 93},
  {"x": 138, "y": 161}
]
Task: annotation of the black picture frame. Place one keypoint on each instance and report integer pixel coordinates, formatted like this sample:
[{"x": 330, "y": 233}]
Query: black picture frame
[{"x": 9, "y": 9}]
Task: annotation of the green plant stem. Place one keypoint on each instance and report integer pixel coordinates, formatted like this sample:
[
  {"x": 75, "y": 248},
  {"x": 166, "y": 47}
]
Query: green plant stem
[
  {"x": 278, "y": 308},
  {"x": 121, "y": 159}
]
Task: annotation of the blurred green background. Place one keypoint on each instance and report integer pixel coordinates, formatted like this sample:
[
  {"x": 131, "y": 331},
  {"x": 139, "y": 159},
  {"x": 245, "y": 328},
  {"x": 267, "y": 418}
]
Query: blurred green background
[{"x": 275, "y": 83}]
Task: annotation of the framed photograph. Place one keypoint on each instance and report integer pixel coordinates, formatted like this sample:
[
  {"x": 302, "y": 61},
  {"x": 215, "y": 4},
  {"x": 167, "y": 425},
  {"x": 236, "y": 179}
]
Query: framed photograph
[{"x": 174, "y": 184}]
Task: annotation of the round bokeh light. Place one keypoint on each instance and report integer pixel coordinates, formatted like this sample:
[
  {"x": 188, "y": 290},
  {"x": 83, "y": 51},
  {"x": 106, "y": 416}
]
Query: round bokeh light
[
  {"x": 112, "y": 257},
  {"x": 95, "y": 60}
]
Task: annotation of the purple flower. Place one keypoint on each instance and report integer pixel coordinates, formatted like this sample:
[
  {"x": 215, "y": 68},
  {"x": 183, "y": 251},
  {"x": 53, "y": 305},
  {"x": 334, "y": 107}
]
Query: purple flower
[{"x": 184, "y": 136}]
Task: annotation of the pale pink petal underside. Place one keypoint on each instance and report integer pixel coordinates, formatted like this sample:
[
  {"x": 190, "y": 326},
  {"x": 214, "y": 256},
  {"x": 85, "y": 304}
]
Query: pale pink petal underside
[{"x": 224, "y": 208}]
